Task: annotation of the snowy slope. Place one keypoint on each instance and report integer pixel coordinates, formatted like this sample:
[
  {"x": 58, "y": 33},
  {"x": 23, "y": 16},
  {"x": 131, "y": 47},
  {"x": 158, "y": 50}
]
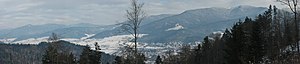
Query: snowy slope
[
  {"x": 177, "y": 27},
  {"x": 66, "y": 31},
  {"x": 197, "y": 23},
  {"x": 109, "y": 44},
  {"x": 113, "y": 45}
]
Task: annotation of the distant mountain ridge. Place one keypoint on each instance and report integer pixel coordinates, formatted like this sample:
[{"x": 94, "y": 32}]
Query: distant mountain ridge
[
  {"x": 196, "y": 24},
  {"x": 66, "y": 31},
  {"x": 118, "y": 30},
  {"x": 193, "y": 25}
]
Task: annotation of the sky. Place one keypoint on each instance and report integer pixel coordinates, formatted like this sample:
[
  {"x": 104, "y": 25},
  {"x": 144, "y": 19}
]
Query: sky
[{"x": 16, "y": 13}]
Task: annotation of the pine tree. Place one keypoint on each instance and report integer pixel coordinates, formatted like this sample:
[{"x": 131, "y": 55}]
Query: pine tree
[
  {"x": 234, "y": 47},
  {"x": 206, "y": 50},
  {"x": 119, "y": 60},
  {"x": 70, "y": 59},
  {"x": 96, "y": 55},
  {"x": 158, "y": 60},
  {"x": 51, "y": 55},
  {"x": 206, "y": 44},
  {"x": 89, "y": 56},
  {"x": 85, "y": 56},
  {"x": 198, "y": 54}
]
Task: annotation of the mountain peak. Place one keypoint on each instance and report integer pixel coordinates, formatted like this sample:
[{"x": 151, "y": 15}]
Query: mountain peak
[
  {"x": 244, "y": 7},
  {"x": 83, "y": 25},
  {"x": 28, "y": 25},
  {"x": 211, "y": 8}
]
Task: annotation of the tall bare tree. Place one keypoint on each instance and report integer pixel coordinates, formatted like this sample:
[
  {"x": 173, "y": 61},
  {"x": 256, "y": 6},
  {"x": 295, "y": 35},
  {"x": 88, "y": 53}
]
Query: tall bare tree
[
  {"x": 134, "y": 15},
  {"x": 293, "y": 5}
]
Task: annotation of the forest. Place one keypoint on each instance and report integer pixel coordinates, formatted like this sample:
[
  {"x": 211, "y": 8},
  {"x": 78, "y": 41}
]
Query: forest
[{"x": 270, "y": 38}]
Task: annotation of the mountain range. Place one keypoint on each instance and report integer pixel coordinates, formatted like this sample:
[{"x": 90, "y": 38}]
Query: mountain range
[
  {"x": 193, "y": 24},
  {"x": 188, "y": 26},
  {"x": 65, "y": 31}
]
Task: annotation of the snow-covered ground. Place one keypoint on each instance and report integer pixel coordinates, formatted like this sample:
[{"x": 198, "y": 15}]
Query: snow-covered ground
[
  {"x": 111, "y": 45},
  {"x": 108, "y": 45},
  {"x": 34, "y": 41},
  {"x": 7, "y": 41}
]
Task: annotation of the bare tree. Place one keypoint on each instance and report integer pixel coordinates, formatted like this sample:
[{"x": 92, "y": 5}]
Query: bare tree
[
  {"x": 134, "y": 15},
  {"x": 293, "y": 5},
  {"x": 53, "y": 38}
]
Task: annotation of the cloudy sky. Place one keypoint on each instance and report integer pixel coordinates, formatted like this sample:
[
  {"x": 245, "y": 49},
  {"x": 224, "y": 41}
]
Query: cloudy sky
[{"x": 15, "y": 13}]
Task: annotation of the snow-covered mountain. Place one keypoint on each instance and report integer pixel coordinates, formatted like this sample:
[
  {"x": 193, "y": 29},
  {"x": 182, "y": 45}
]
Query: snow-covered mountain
[
  {"x": 117, "y": 30},
  {"x": 191, "y": 25},
  {"x": 28, "y": 30},
  {"x": 188, "y": 26},
  {"x": 65, "y": 31}
]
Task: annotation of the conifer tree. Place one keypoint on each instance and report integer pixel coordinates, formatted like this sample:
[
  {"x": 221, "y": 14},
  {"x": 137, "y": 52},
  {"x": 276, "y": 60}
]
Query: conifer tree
[
  {"x": 233, "y": 50},
  {"x": 158, "y": 60},
  {"x": 118, "y": 60},
  {"x": 51, "y": 55},
  {"x": 85, "y": 56},
  {"x": 89, "y": 56}
]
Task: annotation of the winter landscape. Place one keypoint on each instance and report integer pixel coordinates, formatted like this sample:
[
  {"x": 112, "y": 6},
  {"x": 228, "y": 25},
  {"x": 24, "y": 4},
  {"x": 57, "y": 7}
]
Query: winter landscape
[{"x": 149, "y": 32}]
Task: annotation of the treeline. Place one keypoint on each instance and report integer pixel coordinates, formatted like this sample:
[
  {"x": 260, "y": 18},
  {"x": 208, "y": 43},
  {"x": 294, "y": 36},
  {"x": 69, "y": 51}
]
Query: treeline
[
  {"x": 66, "y": 53},
  {"x": 270, "y": 38},
  {"x": 20, "y": 54},
  {"x": 58, "y": 54}
]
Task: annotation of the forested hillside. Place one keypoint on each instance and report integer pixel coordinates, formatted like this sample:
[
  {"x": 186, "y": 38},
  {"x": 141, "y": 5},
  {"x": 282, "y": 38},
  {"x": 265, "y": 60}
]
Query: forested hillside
[
  {"x": 267, "y": 39},
  {"x": 34, "y": 54}
]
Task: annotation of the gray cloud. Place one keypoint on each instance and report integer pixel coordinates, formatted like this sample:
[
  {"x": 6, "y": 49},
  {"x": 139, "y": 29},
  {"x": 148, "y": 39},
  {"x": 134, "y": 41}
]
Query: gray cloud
[{"x": 15, "y": 13}]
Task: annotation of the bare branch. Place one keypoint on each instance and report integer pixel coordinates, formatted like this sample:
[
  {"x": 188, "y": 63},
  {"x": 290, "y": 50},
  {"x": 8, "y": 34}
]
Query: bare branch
[
  {"x": 135, "y": 16},
  {"x": 128, "y": 28}
]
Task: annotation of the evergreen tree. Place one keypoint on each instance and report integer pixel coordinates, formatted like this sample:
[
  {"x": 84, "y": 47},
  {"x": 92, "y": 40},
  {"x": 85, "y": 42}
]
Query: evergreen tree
[
  {"x": 233, "y": 50},
  {"x": 158, "y": 60},
  {"x": 206, "y": 44},
  {"x": 198, "y": 54},
  {"x": 118, "y": 60},
  {"x": 96, "y": 55},
  {"x": 206, "y": 50},
  {"x": 85, "y": 56},
  {"x": 71, "y": 59},
  {"x": 51, "y": 55},
  {"x": 89, "y": 56}
]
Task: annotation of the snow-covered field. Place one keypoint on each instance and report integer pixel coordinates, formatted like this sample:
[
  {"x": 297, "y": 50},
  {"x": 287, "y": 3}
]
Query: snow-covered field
[{"x": 110, "y": 45}]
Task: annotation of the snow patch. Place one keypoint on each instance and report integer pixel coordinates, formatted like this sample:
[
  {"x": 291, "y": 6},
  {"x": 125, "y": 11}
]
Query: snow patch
[
  {"x": 87, "y": 36},
  {"x": 216, "y": 35},
  {"x": 8, "y": 40},
  {"x": 110, "y": 45},
  {"x": 33, "y": 41},
  {"x": 177, "y": 27}
]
